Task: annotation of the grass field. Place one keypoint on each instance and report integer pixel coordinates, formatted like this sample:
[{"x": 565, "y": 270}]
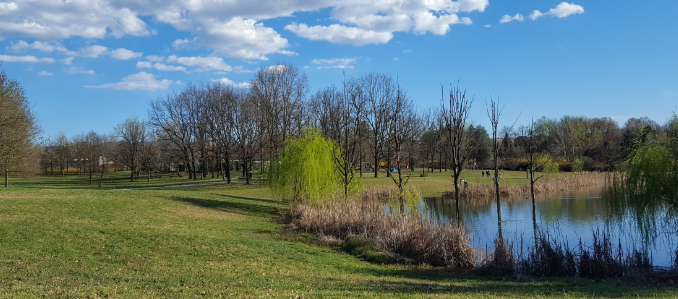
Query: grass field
[{"x": 61, "y": 238}]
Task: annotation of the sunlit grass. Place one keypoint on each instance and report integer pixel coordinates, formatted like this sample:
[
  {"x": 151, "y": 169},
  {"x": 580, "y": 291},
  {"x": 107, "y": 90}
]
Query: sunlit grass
[{"x": 65, "y": 239}]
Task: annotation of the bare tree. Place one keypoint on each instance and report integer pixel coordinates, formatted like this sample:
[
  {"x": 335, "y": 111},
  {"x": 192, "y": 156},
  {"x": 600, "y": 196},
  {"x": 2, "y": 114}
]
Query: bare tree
[
  {"x": 455, "y": 118},
  {"x": 247, "y": 129},
  {"x": 379, "y": 91},
  {"x": 132, "y": 137},
  {"x": 170, "y": 115},
  {"x": 400, "y": 133},
  {"x": 222, "y": 101},
  {"x": 280, "y": 91},
  {"x": 63, "y": 152}
]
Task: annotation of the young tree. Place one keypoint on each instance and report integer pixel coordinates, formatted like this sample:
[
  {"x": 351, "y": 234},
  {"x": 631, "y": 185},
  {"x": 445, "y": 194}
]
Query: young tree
[
  {"x": 455, "y": 118},
  {"x": 131, "y": 139},
  {"x": 400, "y": 133},
  {"x": 18, "y": 128},
  {"x": 306, "y": 170}
]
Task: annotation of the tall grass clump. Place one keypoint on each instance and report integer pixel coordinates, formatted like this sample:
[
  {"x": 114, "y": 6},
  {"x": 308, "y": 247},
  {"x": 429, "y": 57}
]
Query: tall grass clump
[
  {"x": 551, "y": 257},
  {"x": 406, "y": 234},
  {"x": 552, "y": 185}
]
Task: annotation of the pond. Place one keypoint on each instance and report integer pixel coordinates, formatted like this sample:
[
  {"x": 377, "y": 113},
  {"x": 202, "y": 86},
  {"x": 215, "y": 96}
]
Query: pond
[{"x": 571, "y": 217}]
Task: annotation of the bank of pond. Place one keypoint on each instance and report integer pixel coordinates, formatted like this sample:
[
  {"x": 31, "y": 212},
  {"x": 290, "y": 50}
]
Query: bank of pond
[{"x": 584, "y": 233}]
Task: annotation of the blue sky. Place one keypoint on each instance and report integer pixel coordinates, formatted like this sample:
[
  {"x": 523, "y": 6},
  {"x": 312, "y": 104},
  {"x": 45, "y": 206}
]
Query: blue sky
[{"x": 89, "y": 65}]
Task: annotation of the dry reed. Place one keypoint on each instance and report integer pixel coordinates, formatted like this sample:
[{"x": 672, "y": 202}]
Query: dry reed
[
  {"x": 571, "y": 182},
  {"x": 404, "y": 234}
]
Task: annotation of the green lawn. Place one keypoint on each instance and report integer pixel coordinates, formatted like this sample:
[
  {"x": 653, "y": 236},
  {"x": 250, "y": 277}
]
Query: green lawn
[{"x": 62, "y": 238}]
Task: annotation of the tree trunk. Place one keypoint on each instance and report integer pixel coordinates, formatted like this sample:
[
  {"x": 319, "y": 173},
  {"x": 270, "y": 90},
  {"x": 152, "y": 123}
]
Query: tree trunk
[
  {"x": 6, "y": 177},
  {"x": 131, "y": 178}
]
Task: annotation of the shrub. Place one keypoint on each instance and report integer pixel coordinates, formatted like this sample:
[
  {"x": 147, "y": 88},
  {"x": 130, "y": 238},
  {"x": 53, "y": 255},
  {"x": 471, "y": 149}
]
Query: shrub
[
  {"x": 578, "y": 165},
  {"x": 551, "y": 167}
]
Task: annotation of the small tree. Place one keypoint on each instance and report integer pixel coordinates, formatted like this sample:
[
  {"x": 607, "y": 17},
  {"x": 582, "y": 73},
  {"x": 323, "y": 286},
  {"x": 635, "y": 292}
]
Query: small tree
[
  {"x": 456, "y": 118},
  {"x": 306, "y": 170}
]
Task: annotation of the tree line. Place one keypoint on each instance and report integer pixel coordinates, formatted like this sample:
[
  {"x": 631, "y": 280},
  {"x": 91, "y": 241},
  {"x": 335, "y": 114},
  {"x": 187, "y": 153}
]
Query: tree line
[{"x": 212, "y": 129}]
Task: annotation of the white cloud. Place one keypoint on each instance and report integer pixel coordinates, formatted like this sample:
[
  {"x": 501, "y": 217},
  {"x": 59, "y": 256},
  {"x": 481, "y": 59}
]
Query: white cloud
[
  {"x": 337, "y": 63},
  {"x": 488, "y": 26},
  {"x": 340, "y": 34},
  {"x": 79, "y": 70},
  {"x": 44, "y": 73},
  {"x": 204, "y": 63},
  {"x": 68, "y": 60},
  {"x": 124, "y": 54},
  {"x": 226, "y": 81},
  {"x": 138, "y": 81},
  {"x": 278, "y": 68},
  {"x": 507, "y": 18},
  {"x": 144, "y": 64},
  {"x": 37, "y": 45},
  {"x": 562, "y": 10},
  {"x": 162, "y": 67},
  {"x": 92, "y": 51},
  {"x": 27, "y": 58},
  {"x": 63, "y": 19},
  {"x": 155, "y": 58},
  {"x": 234, "y": 28},
  {"x": 396, "y": 59},
  {"x": 565, "y": 9}
]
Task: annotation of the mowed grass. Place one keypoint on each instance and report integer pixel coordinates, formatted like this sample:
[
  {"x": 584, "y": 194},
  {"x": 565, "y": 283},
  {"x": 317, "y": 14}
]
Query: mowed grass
[{"x": 76, "y": 241}]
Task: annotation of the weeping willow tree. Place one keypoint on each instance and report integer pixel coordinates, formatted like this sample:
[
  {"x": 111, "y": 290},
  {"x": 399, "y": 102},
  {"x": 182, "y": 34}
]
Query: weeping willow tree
[
  {"x": 650, "y": 180},
  {"x": 306, "y": 170}
]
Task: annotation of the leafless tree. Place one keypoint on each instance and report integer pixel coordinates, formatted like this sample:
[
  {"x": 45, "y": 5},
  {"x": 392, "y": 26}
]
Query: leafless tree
[
  {"x": 400, "y": 134},
  {"x": 222, "y": 101},
  {"x": 379, "y": 91},
  {"x": 170, "y": 115},
  {"x": 280, "y": 91},
  {"x": 247, "y": 129},
  {"x": 131, "y": 139},
  {"x": 455, "y": 117}
]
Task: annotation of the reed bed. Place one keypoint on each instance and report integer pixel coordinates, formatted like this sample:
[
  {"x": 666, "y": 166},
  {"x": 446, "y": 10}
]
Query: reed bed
[
  {"x": 542, "y": 186},
  {"x": 405, "y": 234}
]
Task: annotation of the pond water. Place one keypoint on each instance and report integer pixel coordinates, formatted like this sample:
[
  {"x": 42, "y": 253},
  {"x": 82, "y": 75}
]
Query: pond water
[{"x": 571, "y": 217}]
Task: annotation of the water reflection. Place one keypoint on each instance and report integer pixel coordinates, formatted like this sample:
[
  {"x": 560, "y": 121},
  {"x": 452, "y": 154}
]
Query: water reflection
[{"x": 572, "y": 216}]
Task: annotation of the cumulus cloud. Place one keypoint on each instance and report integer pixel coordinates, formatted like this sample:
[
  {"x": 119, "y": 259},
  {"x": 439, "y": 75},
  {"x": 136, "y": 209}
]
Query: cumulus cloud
[
  {"x": 160, "y": 66},
  {"x": 27, "y": 58},
  {"x": 63, "y": 19},
  {"x": 340, "y": 34},
  {"x": 226, "y": 81},
  {"x": 507, "y": 18},
  {"x": 79, "y": 70},
  {"x": 235, "y": 28},
  {"x": 563, "y": 9},
  {"x": 124, "y": 54},
  {"x": 203, "y": 63},
  {"x": 337, "y": 63},
  {"x": 44, "y": 73},
  {"x": 138, "y": 81}
]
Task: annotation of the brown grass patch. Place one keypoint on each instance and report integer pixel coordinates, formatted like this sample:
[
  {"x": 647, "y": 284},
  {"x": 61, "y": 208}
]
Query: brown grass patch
[
  {"x": 401, "y": 233},
  {"x": 542, "y": 186}
]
